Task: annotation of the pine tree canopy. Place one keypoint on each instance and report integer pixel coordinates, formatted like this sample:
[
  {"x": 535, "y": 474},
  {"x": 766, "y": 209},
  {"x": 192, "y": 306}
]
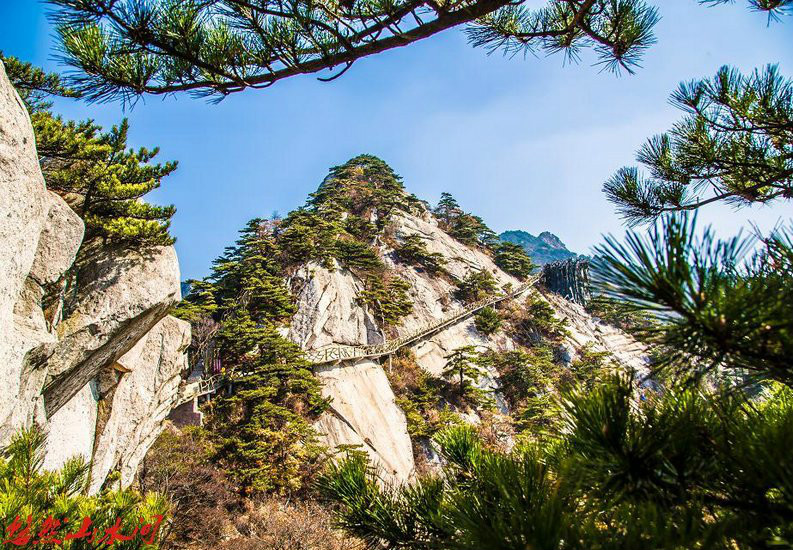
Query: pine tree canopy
[
  {"x": 262, "y": 434},
  {"x": 124, "y": 48},
  {"x": 513, "y": 259},
  {"x": 100, "y": 178},
  {"x": 725, "y": 304},
  {"x": 686, "y": 469},
  {"x": 735, "y": 144},
  {"x": 33, "y": 85}
]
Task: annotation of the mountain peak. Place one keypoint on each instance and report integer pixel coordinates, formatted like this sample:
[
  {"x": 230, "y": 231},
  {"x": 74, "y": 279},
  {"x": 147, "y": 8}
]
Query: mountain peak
[
  {"x": 362, "y": 185},
  {"x": 544, "y": 248},
  {"x": 552, "y": 240}
]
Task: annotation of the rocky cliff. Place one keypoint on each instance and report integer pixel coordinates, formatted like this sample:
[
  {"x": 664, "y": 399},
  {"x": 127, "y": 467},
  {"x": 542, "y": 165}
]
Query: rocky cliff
[
  {"x": 87, "y": 350},
  {"x": 568, "y": 278},
  {"x": 364, "y": 410}
]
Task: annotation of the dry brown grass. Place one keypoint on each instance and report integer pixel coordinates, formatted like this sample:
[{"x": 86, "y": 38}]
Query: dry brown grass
[{"x": 273, "y": 524}]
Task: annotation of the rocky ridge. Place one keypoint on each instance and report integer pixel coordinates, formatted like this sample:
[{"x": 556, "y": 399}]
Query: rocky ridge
[
  {"x": 87, "y": 348},
  {"x": 543, "y": 248},
  {"x": 364, "y": 409}
]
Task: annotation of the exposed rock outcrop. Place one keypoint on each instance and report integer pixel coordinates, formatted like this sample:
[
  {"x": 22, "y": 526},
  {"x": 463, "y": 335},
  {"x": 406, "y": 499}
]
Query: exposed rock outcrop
[
  {"x": 23, "y": 212},
  {"x": 364, "y": 411},
  {"x": 122, "y": 295},
  {"x": 85, "y": 351},
  {"x": 147, "y": 390},
  {"x": 569, "y": 279}
]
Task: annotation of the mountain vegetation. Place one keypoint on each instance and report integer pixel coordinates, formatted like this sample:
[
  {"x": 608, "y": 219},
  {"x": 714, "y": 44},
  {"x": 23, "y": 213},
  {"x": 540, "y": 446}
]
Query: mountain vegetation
[
  {"x": 627, "y": 462},
  {"x": 686, "y": 466},
  {"x": 93, "y": 169},
  {"x": 261, "y": 434},
  {"x": 42, "y": 507}
]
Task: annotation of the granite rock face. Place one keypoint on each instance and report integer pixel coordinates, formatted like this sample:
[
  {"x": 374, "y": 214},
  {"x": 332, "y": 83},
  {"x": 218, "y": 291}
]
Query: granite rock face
[
  {"x": 122, "y": 295},
  {"x": 364, "y": 411},
  {"x": 569, "y": 279},
  {"x": 147, "y": 390},
  {"x": 86, "y": 351}
]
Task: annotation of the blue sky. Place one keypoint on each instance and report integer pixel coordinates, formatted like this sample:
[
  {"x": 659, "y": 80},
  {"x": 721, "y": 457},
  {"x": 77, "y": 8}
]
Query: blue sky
[{"x": 524, "y": 143}]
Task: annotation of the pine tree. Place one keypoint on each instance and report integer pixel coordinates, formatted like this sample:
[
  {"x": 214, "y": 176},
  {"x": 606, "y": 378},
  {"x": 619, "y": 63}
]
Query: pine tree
[
  {"x": 513, "y": 259},
  {"x": 389, "y": 299},
  {"x": 94, "y": 171},
  {"x": 262, "y": 431},
  {"x": 723, "y": 304},
  {"x": 702, "y": 464},
  {"x": 447, "y": 208},
  {"x": 684, "y": 469},
  {"x": 102, "y": 180},
  {"x": 34, "y": 86},
  {"x": 414, "y": 251},
  {"x": 125, "y": 49},
  {"x": 462, "y": 365},
  {"x": 734, "y": 145},
  {"x": 476, "y": 285},
  {"x": 58, "y": 500},
  {"x": 487, "y": 321}
]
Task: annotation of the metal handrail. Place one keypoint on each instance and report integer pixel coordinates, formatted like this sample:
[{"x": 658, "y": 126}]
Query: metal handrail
[{"x": 335, "y": 352}]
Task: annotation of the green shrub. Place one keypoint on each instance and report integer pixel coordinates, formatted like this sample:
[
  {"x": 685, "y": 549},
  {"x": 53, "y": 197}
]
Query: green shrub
[
  {"x": 356, "y": 255},
  {"x": 682, "y": 469},
  {"x": 476, "y": 285},
  {"x": 540, "y": 318},
  {"x": 487, "y": 321},
  {"x": 388, "y": 300},
  {"x": 414, "y": 251},
  {"x": 58, "y": 499},
  {"x": 513, "y": 259}
]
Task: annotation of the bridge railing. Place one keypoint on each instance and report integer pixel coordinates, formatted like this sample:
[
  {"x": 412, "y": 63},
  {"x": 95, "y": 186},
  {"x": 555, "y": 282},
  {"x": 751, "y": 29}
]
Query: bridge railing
[{"x": 335, "y": 352}]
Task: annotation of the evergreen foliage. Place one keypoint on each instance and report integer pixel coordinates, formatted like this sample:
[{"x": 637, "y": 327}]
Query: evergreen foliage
[
  {"x": 463, "y": 366},
  {"x": 734, "y": 144},
  {"x": 262, "y": 433},
  {"x": 414, "y": 251},
  {"x": 102, "y": 180},
  {"x": 686, "y": 469},
  {"x": 128, "y": 48},
  {"x": 696, "y": 465},
  {"x": 466, "y": 228},
  {"x": 93, "y": 170},
  {"x": 513, "y": 259},
  {"x": 421, "y": 396},
  {"x": 536, "y": 321},
  {"x": 721, "y": 306},
  {"x": 342, "y": 221},
  {"x": 476, "y": 285},
  {"x": 34, "y": 86},
  {"x": 58, "y": 499},
  {"x": 487, "y": 321},
  {"x": 388, "y": 300}
]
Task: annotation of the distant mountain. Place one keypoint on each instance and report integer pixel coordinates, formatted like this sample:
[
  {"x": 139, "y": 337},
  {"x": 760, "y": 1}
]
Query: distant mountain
[{"x": 543, "y": 249}]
